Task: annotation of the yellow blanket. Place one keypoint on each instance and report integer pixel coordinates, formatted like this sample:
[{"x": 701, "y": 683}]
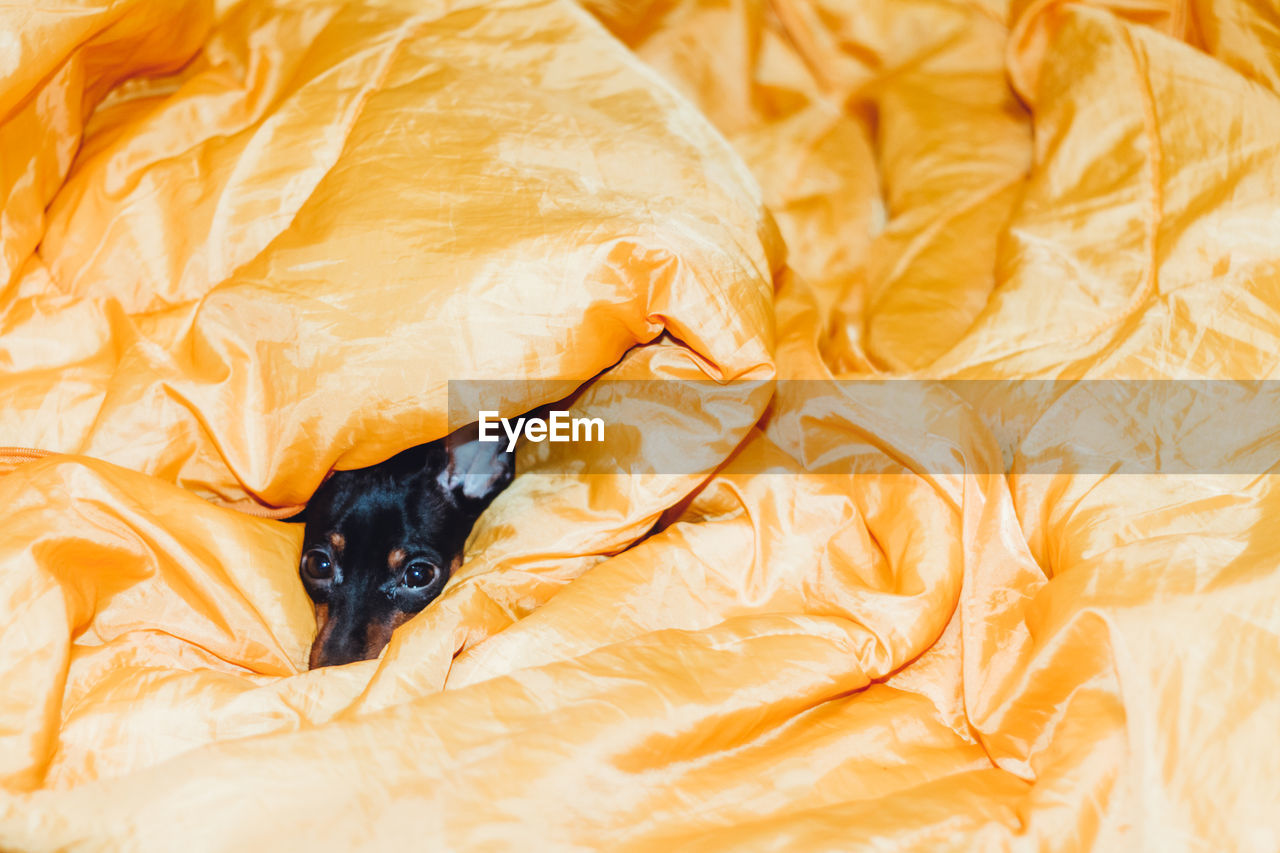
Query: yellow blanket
[{"x": 242, "y": 245}]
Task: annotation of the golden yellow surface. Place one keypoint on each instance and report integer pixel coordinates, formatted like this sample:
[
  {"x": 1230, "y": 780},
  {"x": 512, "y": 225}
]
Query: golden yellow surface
[{"x": 242, "y": 244}]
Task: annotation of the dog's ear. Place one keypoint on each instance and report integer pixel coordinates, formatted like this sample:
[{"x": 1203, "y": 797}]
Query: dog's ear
[{"x": 475, "y": 471}]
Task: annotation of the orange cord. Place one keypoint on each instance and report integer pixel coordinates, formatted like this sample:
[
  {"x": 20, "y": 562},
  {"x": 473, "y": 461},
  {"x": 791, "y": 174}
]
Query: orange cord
[{"x": 12, "y": 457}]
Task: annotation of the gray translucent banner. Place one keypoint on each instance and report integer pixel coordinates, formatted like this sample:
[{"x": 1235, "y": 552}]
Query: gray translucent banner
[{"x": 882, "y": 426}]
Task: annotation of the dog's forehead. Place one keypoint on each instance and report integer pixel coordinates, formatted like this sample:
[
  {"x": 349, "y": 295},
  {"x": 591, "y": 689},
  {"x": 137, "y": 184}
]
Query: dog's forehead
[{"x": 377, "y": 515}]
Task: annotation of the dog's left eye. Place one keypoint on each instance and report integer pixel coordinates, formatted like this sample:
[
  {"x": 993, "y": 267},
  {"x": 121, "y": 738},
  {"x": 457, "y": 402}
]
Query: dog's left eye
[
  {"x": 317, "y": 565},
  {"x": 419, "y": 574}
]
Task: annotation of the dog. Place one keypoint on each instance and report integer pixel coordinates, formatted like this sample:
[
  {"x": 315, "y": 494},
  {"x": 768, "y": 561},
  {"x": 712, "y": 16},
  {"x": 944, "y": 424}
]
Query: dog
[{"x": 379, "y": 543}]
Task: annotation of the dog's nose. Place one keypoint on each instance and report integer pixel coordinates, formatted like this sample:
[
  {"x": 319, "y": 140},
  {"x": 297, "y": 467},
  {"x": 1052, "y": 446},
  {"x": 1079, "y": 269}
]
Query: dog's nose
[
  {"x": 340, "y": 640},
  {"x": 336, "y": 654}
]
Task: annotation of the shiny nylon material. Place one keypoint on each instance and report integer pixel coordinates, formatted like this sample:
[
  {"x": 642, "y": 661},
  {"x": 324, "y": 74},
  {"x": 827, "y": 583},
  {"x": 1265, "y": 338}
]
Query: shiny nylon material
[{"x": 246, "y": 244}]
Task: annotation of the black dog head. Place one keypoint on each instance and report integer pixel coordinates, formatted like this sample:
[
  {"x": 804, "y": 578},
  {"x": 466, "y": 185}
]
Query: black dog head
[{"x": 381, "y": 542}]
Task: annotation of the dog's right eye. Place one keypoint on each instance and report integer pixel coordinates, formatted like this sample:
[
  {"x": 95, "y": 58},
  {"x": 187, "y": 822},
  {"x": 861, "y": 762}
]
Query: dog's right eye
[
  {"x": 317, "y": 565},
  {"x": 419, "y": 574}
]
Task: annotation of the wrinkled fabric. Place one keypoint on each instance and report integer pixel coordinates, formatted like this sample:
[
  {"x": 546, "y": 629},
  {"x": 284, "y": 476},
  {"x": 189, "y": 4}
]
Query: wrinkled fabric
[{"x": 246, "y": 243}]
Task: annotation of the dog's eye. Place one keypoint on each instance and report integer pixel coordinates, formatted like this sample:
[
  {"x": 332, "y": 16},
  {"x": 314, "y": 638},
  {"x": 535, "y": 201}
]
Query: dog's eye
[
  {"x": 419, "y": 574},
  {"x": 317, "y": 565}
]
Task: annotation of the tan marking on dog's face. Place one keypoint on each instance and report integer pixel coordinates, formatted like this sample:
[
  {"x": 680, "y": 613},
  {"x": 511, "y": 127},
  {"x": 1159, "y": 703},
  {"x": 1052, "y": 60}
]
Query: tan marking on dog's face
[
  {"x": 379, "y": 633},
  {"x": 396, "y": 559},
  {"x": 323, "y": 629},
  {"x": 338, "y": 543}
]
